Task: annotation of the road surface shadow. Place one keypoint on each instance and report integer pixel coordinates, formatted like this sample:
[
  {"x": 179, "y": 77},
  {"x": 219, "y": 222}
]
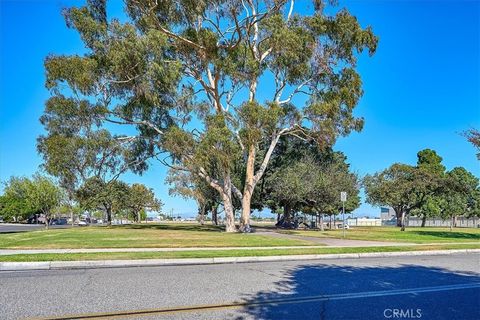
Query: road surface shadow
[{"x": 344, "y": 292}]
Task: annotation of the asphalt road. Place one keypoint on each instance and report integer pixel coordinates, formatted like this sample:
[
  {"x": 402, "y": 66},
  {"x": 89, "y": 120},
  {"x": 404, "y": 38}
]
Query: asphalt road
[
  {"x": 11, "y": 227},
  {"x": 426, "y": 287}
]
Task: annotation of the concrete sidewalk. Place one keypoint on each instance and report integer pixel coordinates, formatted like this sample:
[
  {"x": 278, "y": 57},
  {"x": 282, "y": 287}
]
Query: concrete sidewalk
[
  {"x": 4, "y": 252},
  {"x": 56, "y": 265}
]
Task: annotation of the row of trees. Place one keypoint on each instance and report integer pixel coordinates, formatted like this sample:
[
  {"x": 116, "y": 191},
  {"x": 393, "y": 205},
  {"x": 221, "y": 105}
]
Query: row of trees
[
  {"x": 24, "y": 197},
  {"x": 223, "y": 93},
  {"x": 426, "y": 190}
]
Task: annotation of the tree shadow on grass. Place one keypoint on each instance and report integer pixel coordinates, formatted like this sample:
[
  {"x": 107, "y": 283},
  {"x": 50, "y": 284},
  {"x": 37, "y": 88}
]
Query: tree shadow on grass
[
  {"x": 345, "y": 292},
  {"x": 449, "y": 234}
]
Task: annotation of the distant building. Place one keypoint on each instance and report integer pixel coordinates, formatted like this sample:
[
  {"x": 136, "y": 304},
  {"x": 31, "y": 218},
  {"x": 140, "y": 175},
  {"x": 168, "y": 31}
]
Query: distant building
[{"x": 387, "y": 213}]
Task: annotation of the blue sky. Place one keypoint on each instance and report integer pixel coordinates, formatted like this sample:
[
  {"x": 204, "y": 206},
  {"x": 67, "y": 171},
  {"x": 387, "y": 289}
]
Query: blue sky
[{"x": 422, "y": 87}]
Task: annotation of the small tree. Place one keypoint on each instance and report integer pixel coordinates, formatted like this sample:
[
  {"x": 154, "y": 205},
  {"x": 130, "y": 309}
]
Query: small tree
[
  {"x": 14, "y": 204},
  {"x": 461, "y": 195},
  {"x": 141, "y": 198},
  {"x": 95, "y": 194},
  {"x": 408, "y": 188},
  {"x": 304, "y": 178},
  {"x": 44, "y": 195}
]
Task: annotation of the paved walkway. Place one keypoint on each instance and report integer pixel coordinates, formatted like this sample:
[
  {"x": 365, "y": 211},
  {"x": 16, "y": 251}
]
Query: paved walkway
[
  {"x": 331, "y": 242},
  {"x": 4, "y": 252}
]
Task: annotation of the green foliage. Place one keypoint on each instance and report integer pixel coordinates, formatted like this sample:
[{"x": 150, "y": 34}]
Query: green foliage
[
  {"x": 308, "y": 179},
  {"x": 425, "y": 189},
  {"x": 140, "y": 198},
  {"x": 400, "y": 186},
  {"x": 14, "y": 203},
  {"x": 461, "y": 194},
  {"x": 24, "y": 196},
  {"x": 96, "y": 194},
  {"x": 74, "y": 159}
]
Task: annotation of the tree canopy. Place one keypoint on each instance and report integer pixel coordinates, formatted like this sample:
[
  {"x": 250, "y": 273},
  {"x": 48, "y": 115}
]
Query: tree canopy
[
  {"x": 425, "y": 189},
  {"x": 24, "y": 196},
  {"x": 175, "y": 64}
]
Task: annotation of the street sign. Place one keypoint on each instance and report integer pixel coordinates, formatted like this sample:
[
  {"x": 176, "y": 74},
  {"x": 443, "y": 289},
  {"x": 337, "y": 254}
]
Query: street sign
[{"x": 343, "y": 197}]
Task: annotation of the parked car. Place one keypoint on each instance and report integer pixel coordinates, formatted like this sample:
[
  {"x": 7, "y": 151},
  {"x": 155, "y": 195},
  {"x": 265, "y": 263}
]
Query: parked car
[
  {"x": 341, "y": 226},
  {"x": 60, "y": 221},
  {"x": 82, "y": 223}
]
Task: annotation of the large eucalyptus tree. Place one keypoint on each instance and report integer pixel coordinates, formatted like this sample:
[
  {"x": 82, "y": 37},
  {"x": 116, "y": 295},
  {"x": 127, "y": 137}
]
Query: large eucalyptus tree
[{"x": 211, "y": 83}]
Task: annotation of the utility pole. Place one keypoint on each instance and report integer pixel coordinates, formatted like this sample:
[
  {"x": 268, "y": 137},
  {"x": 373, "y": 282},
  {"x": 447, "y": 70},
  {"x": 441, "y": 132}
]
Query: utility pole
[{"x": 343, "y": 198}]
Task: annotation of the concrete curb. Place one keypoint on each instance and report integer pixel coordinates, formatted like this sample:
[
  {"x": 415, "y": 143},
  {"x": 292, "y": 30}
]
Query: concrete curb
[{"x": 65, "y": 265}]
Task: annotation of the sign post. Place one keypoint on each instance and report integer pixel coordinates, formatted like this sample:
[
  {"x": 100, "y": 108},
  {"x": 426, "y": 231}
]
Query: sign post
[{"x": 343, "y": 198}]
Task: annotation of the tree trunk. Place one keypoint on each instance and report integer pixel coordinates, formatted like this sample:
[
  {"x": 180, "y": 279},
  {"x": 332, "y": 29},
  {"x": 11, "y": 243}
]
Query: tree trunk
[
  {"x": 139, "y": 219},
  {"x": 402, "y": 221},
  {"x": 228, "y": 206},
  {"x": 454, "y": 221},
  {"x": 424, "y": 220},
  {"x": 248, "y": 191},
  {"x": 215, "y": 215},
  {"x": 47, "y": 221},
  {"x": 109, "y": 216},
  {"x": 287, "y": 214},
  {"x": 398, "y": 215},
  {"x": 321, "y": 222},
  {"x": 330, "y": 225},
  {"x": 202, "y": 215}
]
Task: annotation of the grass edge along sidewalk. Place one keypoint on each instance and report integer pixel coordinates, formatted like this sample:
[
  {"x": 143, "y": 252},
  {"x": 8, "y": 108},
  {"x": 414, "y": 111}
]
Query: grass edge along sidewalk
[
  {"x": 68, "y": 265},
  {"x": 100, "y": 256}
]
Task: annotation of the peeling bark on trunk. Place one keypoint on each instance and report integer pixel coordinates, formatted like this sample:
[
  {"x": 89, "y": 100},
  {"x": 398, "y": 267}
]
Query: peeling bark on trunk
[
  {"x": 248, "y": 191},
  {"x": 202, "y": 215},
  {"x": 228, "y": 206},
  {"x": 229, "y": 214},
  {"x": 402, "y": 221}
]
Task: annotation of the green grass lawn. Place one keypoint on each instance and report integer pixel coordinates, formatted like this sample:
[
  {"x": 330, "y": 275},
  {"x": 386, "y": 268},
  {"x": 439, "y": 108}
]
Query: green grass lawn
[
  {"x": 222, "y": 253},
  {"x": 139, "y": 236},
  {"x": 413, "y": 235}
]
